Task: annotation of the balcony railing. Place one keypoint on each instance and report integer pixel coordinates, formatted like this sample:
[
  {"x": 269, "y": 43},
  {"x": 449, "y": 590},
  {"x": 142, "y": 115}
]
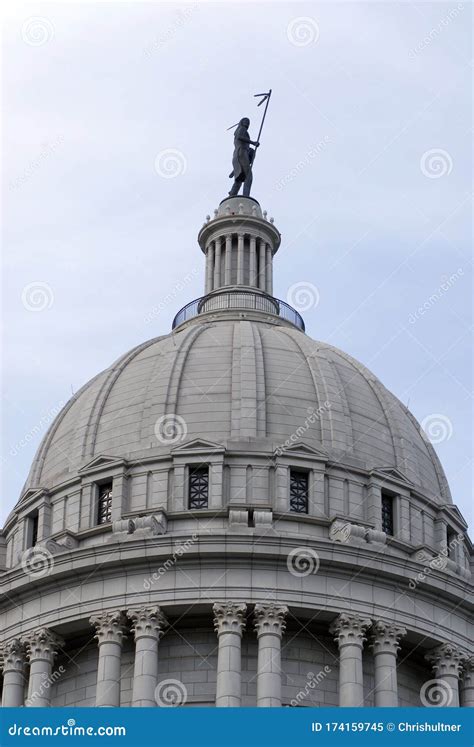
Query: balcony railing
[{"x": 239, "y": 299}]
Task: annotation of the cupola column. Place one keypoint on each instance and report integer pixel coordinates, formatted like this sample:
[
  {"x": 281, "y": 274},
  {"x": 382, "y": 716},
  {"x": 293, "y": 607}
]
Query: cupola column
[
  {"x": 42, "y": 646},
  {"x": 14, "y": 662},
  {"x": 447, "y": 661},
  {"x": 253, "y": 280},
  {"x": 262, "y": 260},
  {"x": 228, "y": 259},
  {"x": 349, "y": 632},
  {"x": 110, "y": 627},
  {"x": 217, "y": 263},
  {"x": 269, "y": 271},
  {"x": 148, "y": 624},
  {"x": 240, "y": 259},
  {"x": 209, "y": 267},
  {"x": 229, "y": 623},
  {"x": 385, "y": 645},
  {"x": 467, "y": 683},
  {"x": 270, "y": 625}
]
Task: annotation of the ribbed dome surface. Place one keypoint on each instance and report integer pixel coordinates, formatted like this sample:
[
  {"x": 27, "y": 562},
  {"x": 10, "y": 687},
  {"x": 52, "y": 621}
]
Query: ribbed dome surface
[{"x": 234, "y": 380}]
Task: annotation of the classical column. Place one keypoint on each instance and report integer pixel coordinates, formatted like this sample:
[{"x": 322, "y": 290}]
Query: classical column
[
  {"x": 42, "y": 646},
  {"x": 209, "y": 267},
  {"x": 349, "y": 633},
  {"x": 228, "y": 260},
  {"x": 268, "y": 271},
  {"x": 467, "y": 683},
  {"x": 229, "y": 623},
  {"x": 270, "y": 626},
  {"x": 110, "y": 627},
  {"x": 385, "y": 644},
  {"x": 240, "y": 259},
  {"x": 14, "y": 661},
  {"x": 261, "y": 264},
  {"x": 217, "y": 264},
  {"x": 447, "y": 661},
  {"x": 148, "y": 624},
  {"x": 253, "y": 280}
]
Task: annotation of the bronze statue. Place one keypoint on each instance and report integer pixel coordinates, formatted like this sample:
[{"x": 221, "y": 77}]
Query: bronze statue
[{"x": 242, "y": 159}]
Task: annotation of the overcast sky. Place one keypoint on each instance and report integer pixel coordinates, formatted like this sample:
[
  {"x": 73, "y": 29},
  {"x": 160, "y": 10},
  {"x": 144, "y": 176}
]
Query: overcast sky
[{"x": 364, "y": 163}]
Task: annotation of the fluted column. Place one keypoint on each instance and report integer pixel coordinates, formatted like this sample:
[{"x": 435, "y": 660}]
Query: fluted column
[
  {"x": 209, "y": 267},
  {"x": 253, "y": 280},
  {"x": 148, "y": 624},
  {"x": 42, "y": 646},
  {"x": 270, "y": 625},
  {"x": 385, "y": 644},
  {"x": 262, "y": 258},
  {"x": 467, "y": 683},
  {"x": 447, "y": 661},
  {"x": 268, "y": 271},
  {"x": 240, "y": 259},
  {"x": 229, "y": 623},
  {"x": 228, "y": 260},
  {"x": 217, "y": 263},
  {"x": 349, "y": 632},
  {"x": 14, "y": 661},
  {"x": 110, "y": 627}
]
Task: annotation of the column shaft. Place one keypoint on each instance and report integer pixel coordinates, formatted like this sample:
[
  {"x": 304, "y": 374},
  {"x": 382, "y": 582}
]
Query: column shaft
[
  {"x": 385, "y": 645},
  {"x": 148, "y": 624},
  {"x": 110, "y": 627},
  {"x": 209, "y": 267},
  {"x": 253, "y": 280},
  {"x": 261, "y": 265},
  {"x": 447, "y": 661},
  {"x": 270, "y": 626},
  {"x": 228, "y": 260},
  {"x": 217, "y": 264},
  {"x": 268, "y": 271},
  {"x": 467, "y": 683},
  {"x": 350, "y": 636},
  {"x": 229, "y": 622},
  {"x": 42, "y": 647},
  {"x": 13, "y": 674},
  {"x": 240, "y": 259}
]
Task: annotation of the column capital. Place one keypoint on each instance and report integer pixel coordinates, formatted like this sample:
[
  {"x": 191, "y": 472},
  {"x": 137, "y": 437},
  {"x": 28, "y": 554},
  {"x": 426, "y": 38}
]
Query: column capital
[
  {"x": 447, "y": 659},
  {"x": 147, "y": 622},
  {"x": 386, "y": 637},
  {"x": 350, "y": 629},
  {"x": 13, "y": 655},
  {"x": 270, "y": 619},
  {"x": 42, "y": 645},
  {"x": 229, "y": 617},
  {"x": 110, "y": 627}
]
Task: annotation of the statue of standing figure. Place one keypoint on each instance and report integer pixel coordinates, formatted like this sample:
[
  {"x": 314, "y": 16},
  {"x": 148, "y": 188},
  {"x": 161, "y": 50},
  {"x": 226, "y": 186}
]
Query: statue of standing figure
[{"x": 242, "y": 159}]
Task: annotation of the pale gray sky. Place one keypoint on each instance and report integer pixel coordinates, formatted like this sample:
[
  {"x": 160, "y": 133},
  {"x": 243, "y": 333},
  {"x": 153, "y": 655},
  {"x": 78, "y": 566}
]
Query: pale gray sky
[{"x": 365, "y": 165}]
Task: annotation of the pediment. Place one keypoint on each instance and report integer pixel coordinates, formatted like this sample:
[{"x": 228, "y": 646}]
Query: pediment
[
  {"x": 393, "y": 472},
  {"x": 197, "y": 445},
  {"x": 102, "y": 461},
  {"x": 303, "y": 449},
  {"x": 32, "y": 494}
]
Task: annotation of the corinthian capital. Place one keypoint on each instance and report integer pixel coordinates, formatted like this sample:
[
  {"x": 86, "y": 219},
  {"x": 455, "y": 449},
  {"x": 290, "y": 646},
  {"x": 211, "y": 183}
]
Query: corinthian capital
[
  {"x": 468, "y": 671},
  {"x": 147, "y": 622},
  {"x": 42, "y": 645},
  {"x": 386, "y": 637},
  {"x": 270, "y": 618},
  {"x": 110, "y": 627},
  {"x": 229, "y": 617},
  {"x": 13, "y": 655},
  {"x": 349, "y": 629},
  {"x": 447, "y": 659}
]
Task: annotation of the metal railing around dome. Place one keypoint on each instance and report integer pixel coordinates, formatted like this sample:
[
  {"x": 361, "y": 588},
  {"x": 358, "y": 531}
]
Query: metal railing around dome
[{"x": 239, "y": 299}]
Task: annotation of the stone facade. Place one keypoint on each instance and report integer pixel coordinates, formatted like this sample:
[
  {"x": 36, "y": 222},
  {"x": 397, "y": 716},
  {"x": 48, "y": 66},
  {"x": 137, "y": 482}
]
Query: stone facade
[{"x": 159, "y": 554}]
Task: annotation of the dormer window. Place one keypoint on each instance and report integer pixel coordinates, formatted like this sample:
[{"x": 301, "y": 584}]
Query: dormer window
[
  {"x": 198, "y": 489},
  {"x": 104, "y": 503},
  {"x": 387, "y": 513},
  {"x": 299, "y": 491}
]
